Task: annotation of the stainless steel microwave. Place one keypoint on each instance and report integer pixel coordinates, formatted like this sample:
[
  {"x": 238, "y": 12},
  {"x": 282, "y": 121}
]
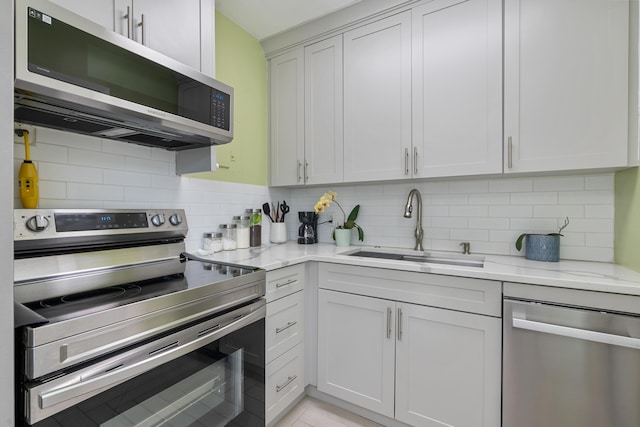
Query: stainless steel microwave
[{"x": 75, "y": 75}]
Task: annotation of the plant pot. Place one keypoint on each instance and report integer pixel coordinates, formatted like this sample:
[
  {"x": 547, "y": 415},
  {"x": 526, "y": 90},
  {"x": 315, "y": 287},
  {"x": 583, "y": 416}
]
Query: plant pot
[
  {"x": 542, "y": 247},
  {"x": 343, "y": 236}
]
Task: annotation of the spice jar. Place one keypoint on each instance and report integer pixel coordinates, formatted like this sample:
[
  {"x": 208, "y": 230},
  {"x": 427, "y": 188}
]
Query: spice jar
[
  {"x": 229, "y": 241},
  {"x": 255, "y": 227},
  {"x": 216, "y": 242},
  {"x": 211, "y": 242},
  {"x": 242, "y": 230}
]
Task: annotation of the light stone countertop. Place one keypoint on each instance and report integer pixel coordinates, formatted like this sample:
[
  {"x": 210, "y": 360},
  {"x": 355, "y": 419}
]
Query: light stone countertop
[{"x": 584, "y": 275}]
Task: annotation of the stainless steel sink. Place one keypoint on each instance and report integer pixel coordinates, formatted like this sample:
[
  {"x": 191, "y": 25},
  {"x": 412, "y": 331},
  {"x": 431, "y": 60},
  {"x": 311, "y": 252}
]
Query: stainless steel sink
[{"x": 462, "y": 261}]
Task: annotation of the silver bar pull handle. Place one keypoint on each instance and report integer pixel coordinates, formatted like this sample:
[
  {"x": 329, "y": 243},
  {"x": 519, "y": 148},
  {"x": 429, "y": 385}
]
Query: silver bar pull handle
[
  {"x": 399, "y": 323},
  {"x": 388, "y": 322},
  {"x": 406, "y": 161},
  {"x": 286, "y": 383},
  {"x": 287, "y": 283},
  {"x": 284, "y": 328},
  {"x": 306, "y": 171},
  {"x": 128, "y": 18},
  {"x": 141, "y": 25},
  {"x": 581, "y": 334},
  {"x": 510, "y": 152},
  {"x": 299, "y": 167},
  {"x": 415, "y": 160}
]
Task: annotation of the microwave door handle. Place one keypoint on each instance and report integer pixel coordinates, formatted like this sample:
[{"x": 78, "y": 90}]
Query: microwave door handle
[
  {"x": 581, "y": 334},
  {"x": 98, "y": 383}
]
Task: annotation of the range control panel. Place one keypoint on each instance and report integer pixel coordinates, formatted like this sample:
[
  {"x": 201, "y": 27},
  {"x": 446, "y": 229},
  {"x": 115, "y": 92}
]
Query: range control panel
[{"x": 31, "y": 224}]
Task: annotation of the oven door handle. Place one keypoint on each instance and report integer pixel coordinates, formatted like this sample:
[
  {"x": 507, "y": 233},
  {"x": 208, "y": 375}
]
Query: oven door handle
[{"x": 68, "y": 394}]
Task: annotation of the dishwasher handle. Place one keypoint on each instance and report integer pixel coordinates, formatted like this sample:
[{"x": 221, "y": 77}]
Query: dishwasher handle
[{"x": 582, "y": 334}]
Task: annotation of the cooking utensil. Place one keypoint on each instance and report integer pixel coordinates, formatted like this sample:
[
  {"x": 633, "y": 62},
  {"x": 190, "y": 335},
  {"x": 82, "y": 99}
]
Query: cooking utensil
[
  {"x": 267, "y": 210},
  {"x": 284, "y": 208}
]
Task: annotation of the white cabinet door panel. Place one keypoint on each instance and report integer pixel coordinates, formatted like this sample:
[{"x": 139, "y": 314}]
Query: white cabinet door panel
[
  {"x": 457, "y": 87},
  {"x": 287, "y": 118},
  {"x": 323, "y": 142},
  {"x": 566, "y": 84},
  {"x": 377, "y": 100},
  {"x": 99, "y": 11},
  {"x": 448, "y": 368},
  {"x": 169, "y": 28},
  {"x": 356, "y": 350}
]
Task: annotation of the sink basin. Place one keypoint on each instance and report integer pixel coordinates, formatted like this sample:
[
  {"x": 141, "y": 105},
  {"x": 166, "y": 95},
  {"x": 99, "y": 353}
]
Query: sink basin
[{"x": 462, "y": 261}]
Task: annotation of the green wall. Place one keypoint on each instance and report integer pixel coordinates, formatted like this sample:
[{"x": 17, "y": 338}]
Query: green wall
[
  {"x": 627, "y": 219},
  {"x": 240, "y": 63}
]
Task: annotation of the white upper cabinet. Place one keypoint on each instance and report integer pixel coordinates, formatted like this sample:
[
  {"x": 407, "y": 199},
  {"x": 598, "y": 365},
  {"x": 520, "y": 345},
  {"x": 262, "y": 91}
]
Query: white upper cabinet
[
  {"x": 377, "y": 100},
  {"x": 457, "y": 88},
  {"x": 323, "y": 132},
  {"x": 183, "y": 31},
  {"x": 566, "y": 85},
  {"x": 99, "y": 11},
  {"x": 286, "y": 76}
]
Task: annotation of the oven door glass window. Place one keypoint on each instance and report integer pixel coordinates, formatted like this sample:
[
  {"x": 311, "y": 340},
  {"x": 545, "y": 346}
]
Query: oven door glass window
[{"x": 220, "y": 384}]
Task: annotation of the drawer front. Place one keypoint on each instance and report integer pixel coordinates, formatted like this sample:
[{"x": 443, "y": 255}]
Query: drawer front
[
  {"x": 285, "y": 281},
  {"x": 285, "y": 381},
  {"x": 284, "y": 325},
  {"x": 456, "y": 293}
]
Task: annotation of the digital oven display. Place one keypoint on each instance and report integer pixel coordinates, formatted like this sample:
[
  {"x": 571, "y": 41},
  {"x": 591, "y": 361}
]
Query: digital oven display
[{"x": 100, "y": 221}]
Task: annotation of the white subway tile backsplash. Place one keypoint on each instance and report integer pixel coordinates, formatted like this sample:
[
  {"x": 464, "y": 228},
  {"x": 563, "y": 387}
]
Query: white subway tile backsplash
[
  {"x": 562, "y": 183},
  {"x": 534, "y": 198},
  {"x": 510, "y": 185},
  {"x": 599, "y": 211},
  {"x": 591, "y": 197},
  {"x": 83, "y": 172},
  {"x": 126, "y": 179},
  {"x": 69, "y": 173},
  {"x": 79, "y": 191},
  {"x": 599, "y": 182},
  {"x": 94, "y": 159},
  {"x": 558, "y": 211}
]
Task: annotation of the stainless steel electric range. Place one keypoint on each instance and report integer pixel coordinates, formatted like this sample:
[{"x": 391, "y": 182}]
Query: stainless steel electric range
[{"x": 118, "y": 326}]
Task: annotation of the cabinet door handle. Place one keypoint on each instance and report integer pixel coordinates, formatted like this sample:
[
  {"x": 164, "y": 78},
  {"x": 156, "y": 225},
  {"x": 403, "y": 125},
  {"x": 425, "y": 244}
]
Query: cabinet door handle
[
  {"x": 128, "y": 18},
  {"x": 284, "y": 328},
  {"x": 509, "y": 152},
  {"x": 287, "y": 283},
  {"x": 399, "y": 323},
  {"x": 286, "y": 383},
  {"x": 388, "y": 322},
  {"x": 299, "y": 167},
  {"x": 415, "y": 160},
  {"x": 406, "y": 161},
  {"x": 306, "y": 172},
  {"x": 141, "y": 25}
]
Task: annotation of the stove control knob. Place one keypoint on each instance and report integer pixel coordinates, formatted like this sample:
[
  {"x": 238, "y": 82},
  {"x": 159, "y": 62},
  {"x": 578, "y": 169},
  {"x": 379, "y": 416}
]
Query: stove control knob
[
  {"x": 37, "y": 223},
  {"x": 175, "y": 219},
  {"x": 157, "y": 220}
]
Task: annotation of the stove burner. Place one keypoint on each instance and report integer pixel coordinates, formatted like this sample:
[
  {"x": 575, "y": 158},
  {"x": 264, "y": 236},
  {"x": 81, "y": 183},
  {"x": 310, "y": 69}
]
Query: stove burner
[{"x": 94, "y": 296}]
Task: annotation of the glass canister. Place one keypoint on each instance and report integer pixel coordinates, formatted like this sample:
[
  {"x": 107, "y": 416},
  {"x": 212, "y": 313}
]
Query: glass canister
[
  {"x": 216, "y": 242},
  {"x": 242, "y": 231},
  {"x": 255, "y": 227},
  {"x": 229, "y": 238},
  {"x": 212, "y": 242}
]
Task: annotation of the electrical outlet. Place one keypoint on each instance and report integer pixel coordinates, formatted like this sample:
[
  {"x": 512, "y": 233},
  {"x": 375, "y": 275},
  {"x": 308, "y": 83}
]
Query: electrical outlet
[{"x": 19, "y": 139}]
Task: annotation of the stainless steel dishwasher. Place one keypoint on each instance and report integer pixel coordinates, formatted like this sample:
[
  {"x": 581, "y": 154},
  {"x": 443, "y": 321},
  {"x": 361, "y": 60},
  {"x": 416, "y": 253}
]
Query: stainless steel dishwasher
[{"x": 571, "y": 358}]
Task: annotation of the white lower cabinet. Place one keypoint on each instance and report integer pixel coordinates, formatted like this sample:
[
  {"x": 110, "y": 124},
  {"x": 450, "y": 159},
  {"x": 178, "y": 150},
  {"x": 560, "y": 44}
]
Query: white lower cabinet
[
  {"x": 284, "y": 338},
  {"x": 422, "y": 365}
]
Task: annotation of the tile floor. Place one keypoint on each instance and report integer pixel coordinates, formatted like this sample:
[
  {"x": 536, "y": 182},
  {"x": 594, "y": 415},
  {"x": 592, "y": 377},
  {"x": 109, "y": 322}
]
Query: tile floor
[{"x": 315, "y": 413}]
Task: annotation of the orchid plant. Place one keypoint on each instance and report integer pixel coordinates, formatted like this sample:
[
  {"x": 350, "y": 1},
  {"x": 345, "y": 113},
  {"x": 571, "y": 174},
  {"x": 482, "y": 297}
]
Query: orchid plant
[{"x": 350, "y": 221}]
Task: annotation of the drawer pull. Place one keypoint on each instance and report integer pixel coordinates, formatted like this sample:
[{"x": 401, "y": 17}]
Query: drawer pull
[
  {"x": 286, "y": 383},
  {"x": 287, "y": 283},
  {"x": 284, "y": 328}
]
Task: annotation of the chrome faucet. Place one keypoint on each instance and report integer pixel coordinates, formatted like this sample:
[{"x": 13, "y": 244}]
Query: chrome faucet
[{"x": 407, "y": 214}]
